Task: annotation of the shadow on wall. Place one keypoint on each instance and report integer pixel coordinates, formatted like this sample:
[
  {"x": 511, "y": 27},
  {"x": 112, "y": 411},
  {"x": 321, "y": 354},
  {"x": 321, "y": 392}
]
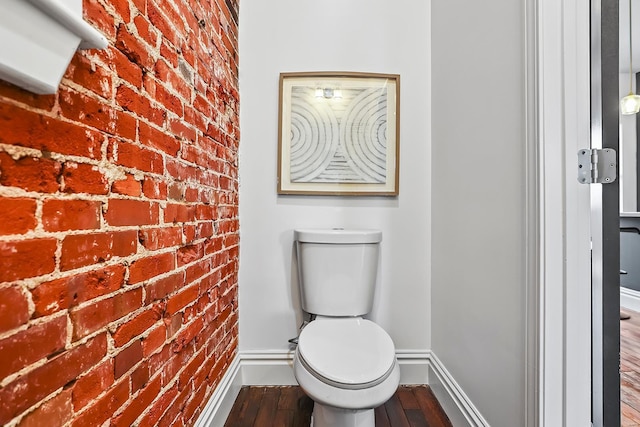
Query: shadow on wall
[{"x": 630, "y": 253}]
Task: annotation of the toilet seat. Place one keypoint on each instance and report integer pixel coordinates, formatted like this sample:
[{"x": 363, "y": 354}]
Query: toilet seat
[{"x": 350, "y": 353}]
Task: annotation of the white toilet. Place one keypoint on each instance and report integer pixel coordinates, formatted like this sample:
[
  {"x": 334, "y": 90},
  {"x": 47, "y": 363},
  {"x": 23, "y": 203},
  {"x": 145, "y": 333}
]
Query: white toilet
[{"x": 345, "y": 363}]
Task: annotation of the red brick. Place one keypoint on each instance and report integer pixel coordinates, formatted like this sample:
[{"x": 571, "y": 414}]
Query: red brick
[
  {"x": 173, "y": 325},
  {"x": 96, "y": 14},
  {"x": 28, "y": 346},
  {"x": 146, "y": 268},
  {"x": 129, "y": 186},
  {"x": 154, "y": 138},
  {"x": 122, "y": 8},
  {"x": 177, "y": 83},
  {"x": 84, "y": 178},
  {"x": 138, "y": 404},
  {"x": 182, "y": 299},
  {"x": 86, "y": 249},
  {"x": 14, "y": 308},
  {"x": 197, "y": 270},
  {"x": 68, "y": 292},
  {"x": 27, "y": 258},
  {"x": 186, "y": 336},
  {"x": 189, "y": 371},
  {"x": 206, "y": 212},
  {"x": 80, "y": 107},
  {"x": 141, "y": 5},
  {"x": 139, "y": 158},
  {"x": 140, "y": 105},
  {"x": 89, "y": 386},
  {"x": 33, "y": 386},
  {"x": 173, "y": 416},
  {"x": 28, "y": 129},
  {"x": 192, "y": 408},
  {"x": 145, "y": 31},
  {"x": 136, "y": 326},
  {"x": 92, "y": 317},
  {"x": 189, "y": 254},
  {"x": 29, "y": 173},
  {"x": 213, "y": 245},
  {"x": 179, "y": 213},
  {"x": 131, "y": 212},
  {"x": 164, "y": 26},
  {"x": 140, "y": 375},
  {"x": 158, "y": 407},
  {"x": 154, "y": 189},
  {"x": 41, "y": 102},
  {"x": 61, "y": 215},
  {"x": 104, "y": 407},
  {"x": 17, "y": 215},
  {"x": 127, "y": 358},
  {"x": 162, "y": 287},
  {"x": 154, "y": 340},
  {"x": 137, "y": 51},
  {"x": 54, "y": 412},
  {"x": 83, "y": 71},
  {"x": 160, "y": 238},
  {"x": 176, "y": 191},
  {"x": 126, "y": 69}
]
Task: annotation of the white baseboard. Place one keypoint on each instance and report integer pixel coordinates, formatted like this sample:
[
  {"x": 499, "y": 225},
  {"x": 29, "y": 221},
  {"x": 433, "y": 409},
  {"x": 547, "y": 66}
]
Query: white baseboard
[
  {"x": 630, "y": 299},
  {"x": 276, "y": 368},
  {"x": 452, "y": 398},
  {"x": 219, "y": 406}
]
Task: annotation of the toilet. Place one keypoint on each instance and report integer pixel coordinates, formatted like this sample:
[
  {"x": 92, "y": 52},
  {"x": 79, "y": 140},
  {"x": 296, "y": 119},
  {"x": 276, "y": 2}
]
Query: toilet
[{"x": 346, "y": 364}]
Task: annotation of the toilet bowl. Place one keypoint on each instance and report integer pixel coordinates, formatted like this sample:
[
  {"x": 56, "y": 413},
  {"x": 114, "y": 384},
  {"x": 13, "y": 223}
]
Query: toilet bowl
[
  {"x": 348, "y": 367},
  {"x": 344, "y": 363}
]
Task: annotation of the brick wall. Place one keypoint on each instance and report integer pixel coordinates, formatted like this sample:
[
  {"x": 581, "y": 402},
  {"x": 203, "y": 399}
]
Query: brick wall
[{"x": 119, "y": 223}]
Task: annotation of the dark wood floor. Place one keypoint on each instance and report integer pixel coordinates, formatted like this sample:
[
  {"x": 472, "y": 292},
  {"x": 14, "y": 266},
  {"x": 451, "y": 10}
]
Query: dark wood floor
[
  {"x": 410, "y": 406},
  {"x": 630, "y": 370}
]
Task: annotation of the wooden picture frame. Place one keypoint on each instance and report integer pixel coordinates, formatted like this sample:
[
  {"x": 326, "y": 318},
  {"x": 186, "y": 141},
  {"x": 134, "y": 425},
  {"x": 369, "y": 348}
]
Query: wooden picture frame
[{"x": 339, "y": 134}]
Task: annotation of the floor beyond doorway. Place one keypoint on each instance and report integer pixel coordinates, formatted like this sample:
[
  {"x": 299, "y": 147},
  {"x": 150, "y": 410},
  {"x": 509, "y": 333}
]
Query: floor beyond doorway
[
  {"x": 410, "y": 406},
  {"x": 630, "y": 370}
]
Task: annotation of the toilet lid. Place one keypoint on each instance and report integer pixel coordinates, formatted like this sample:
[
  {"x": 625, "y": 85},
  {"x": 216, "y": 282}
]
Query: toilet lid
[{"x": 347, "y": 351}]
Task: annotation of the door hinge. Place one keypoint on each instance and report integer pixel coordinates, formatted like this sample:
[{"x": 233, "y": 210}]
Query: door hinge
[{"x": 597, "y": 166}]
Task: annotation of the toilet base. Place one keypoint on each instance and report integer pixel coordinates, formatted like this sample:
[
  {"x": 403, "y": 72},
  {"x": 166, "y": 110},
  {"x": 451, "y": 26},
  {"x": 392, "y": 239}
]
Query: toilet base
[{"x": 327, "y": 416}]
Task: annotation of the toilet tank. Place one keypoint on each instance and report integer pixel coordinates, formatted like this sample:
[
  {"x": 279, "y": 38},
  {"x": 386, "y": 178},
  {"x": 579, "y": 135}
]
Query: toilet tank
[{"x": 337, "y": 270}]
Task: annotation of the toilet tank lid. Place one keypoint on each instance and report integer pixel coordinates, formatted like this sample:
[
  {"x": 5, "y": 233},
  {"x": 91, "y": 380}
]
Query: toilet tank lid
[{"x": 337, "y": 235}]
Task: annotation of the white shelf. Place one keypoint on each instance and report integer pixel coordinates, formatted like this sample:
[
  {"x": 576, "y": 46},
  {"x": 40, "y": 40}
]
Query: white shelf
[{"x": 38, "y": 39}]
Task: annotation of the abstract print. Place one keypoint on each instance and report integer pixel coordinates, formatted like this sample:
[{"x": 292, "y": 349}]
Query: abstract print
[{"x": 340, "y": 139}]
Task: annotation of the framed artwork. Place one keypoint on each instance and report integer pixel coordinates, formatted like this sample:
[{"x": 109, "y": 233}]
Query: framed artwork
[{"x": 339, "y": 134}]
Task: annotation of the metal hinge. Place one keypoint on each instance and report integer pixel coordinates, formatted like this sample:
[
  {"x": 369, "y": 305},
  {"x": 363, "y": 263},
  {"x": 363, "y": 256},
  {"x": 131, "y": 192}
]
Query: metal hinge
[{"x": 597, "y": 166}]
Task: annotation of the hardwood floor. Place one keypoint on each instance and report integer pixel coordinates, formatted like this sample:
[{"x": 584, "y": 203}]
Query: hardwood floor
[
  {"x": 630, "y": 370},
  {"x": 410, "y": 406}
]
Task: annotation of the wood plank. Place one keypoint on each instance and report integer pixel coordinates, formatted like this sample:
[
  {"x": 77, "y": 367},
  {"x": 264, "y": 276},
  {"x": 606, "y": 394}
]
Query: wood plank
[
  {"x": 430, "y": 406},
  {"x": 407, "y": 398},
  {"x": 630, "y": 370},
  {"x": 397, "y": 417},
  {"x": 416, "y": 418},
  {"x": 630, "y": 416},
  {"x": 303, "y": 410},
  {"x": 287, "y": 406},
  {"x": 238, "y": 407},
  {"x": 250, "y": 410},
  {"x": 268, "y": 406},
  {"x": 382, "y": 420}
]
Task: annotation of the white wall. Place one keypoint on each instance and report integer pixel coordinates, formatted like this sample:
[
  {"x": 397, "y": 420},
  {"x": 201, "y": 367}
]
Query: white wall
[
  {"x": 332, "y": 35},
  {"x": 479, "y": 201},
  {"x": 628, "y": 171}
]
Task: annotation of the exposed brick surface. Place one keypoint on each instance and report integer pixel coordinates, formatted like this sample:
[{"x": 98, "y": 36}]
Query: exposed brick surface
[
  {"x": 17, "y": 215},
  {"x": 28, "y": 346},
  {"x": 14, "y": 308},
  {"x": 119, "y": 223},
  {"x": 61, "y": 215}
]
